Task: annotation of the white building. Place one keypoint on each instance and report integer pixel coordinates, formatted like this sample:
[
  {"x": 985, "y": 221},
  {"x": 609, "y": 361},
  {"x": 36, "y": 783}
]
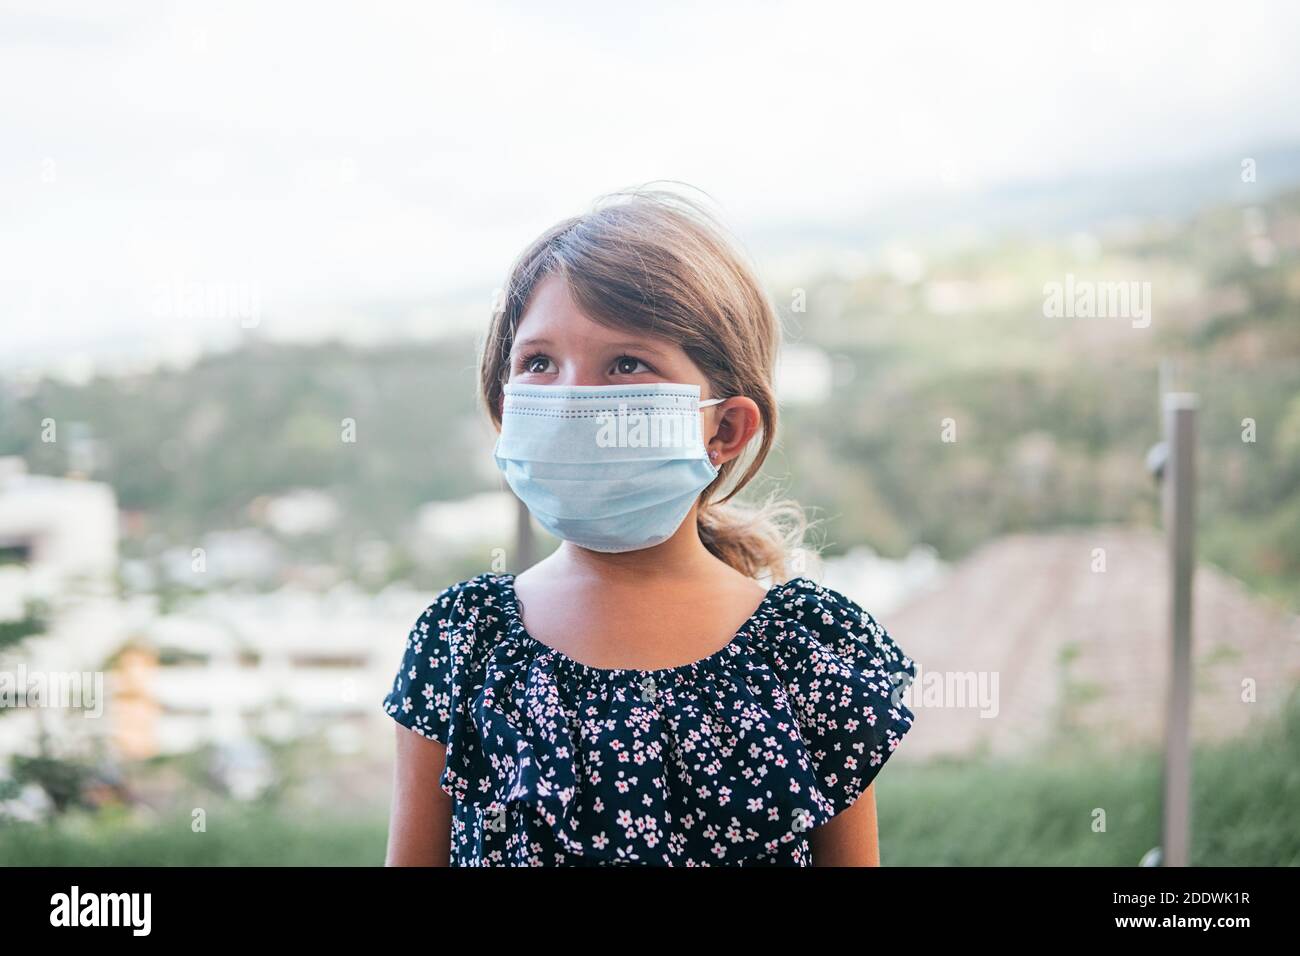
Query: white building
[
  {"x": 479, "y": 523},
  {"x": 58, "y": 552},
  {"x": 287, "y": 664}
]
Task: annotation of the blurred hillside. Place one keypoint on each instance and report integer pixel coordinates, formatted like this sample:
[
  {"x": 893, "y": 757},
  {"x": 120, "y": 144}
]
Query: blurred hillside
[
  {"x": 1053, "y": 416},
  {"x": 1050, "y": 641}
]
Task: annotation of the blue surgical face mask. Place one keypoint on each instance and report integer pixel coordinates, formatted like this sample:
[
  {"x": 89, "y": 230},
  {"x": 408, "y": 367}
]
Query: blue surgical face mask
[{"x": 607, "y": 467}]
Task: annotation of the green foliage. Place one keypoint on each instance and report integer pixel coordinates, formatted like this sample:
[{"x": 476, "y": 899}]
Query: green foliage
[
  {"x": 1054, "y": 417},
  {"x": 33, "y": 622},
  {"x": 193, "y": 449},
  {"x": 63, "y": 780},
  {"x": 236, "y": 835},
  {"x": 1040, "y": 812}
]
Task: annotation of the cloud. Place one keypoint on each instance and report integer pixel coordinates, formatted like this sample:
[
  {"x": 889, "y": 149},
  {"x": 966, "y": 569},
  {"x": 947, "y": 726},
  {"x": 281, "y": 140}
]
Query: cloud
[{"x": 342, "y": 152}]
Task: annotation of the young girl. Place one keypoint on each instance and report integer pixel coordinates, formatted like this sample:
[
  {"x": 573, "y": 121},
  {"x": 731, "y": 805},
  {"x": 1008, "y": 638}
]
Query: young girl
[{"x": 656, "y": 691}]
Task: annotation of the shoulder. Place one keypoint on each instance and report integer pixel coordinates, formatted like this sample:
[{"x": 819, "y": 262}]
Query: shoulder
[
  {"x": 466, "y": 601},
  {"x": 462, "y": 614},
  {"x": 838, "y": 623},
  {"x": 803, "y": 599}
]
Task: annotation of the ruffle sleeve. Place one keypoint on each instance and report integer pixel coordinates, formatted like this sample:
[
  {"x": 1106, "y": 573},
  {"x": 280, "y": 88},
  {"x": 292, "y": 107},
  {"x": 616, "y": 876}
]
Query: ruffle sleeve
[
  {"x": 421, "y": 695},
  {"x": 845, "y": 677}
]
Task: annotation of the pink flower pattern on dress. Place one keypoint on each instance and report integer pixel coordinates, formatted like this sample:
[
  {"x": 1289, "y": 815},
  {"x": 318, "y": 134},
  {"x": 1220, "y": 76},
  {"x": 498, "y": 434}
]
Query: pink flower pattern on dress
[{"x": 728, "y": 761}]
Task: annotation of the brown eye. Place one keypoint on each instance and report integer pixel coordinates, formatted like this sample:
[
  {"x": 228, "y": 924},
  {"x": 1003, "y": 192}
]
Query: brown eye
[
  {"x": 536, "y": 364},
  {"x": 627, "y": 365}
]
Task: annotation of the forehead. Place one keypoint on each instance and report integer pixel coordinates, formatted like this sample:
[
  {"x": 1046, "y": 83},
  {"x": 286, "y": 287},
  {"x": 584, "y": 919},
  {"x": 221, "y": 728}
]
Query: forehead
[
  {"x": 553, "y": 318},
  {"x": 551, "y": 305}
]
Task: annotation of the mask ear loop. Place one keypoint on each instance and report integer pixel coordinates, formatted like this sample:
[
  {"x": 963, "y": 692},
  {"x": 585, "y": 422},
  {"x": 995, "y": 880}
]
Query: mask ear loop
[{"x": 705, "y": 404}]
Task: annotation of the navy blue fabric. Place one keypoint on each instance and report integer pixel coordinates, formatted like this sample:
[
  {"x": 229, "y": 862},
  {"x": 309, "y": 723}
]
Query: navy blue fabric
[{"x": 730, "y": 760}]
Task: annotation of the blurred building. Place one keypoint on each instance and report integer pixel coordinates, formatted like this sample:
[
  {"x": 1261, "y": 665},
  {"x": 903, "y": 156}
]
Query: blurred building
[
  {"x": 222, "y": 669},
  {"x": 231, "y": 667},
  {"x": 58, "y": 560},
  {"x": 478, "y": 523},
  {"x": 804, "y": 375},
  {"x": 301, "y": 511},
  {"x": 879, "y": 584}
]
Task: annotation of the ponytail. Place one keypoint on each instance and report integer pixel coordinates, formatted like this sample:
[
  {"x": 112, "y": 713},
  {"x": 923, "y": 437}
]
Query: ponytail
[{"x": 765, "y": 542}]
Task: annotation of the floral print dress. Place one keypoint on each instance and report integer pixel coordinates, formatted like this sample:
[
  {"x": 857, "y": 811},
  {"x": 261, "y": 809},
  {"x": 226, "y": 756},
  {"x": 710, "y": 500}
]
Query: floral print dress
[{"x": 727, "y": 761}]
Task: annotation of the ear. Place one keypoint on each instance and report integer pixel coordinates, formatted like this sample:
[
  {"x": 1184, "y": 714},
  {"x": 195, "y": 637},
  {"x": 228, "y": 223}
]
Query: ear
[{"x": 728, "y": 427}]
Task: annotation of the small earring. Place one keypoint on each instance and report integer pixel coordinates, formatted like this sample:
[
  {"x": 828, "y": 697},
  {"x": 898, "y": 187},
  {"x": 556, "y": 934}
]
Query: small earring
[{"x": 714, "y": 454}]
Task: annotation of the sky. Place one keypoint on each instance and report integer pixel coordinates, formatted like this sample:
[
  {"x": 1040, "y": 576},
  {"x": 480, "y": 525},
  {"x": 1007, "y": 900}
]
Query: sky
[{"x": 174, "y": 174}]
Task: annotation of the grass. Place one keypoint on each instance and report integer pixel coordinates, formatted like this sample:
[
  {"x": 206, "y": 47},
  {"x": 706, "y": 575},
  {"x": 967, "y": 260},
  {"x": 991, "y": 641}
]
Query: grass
[
  {"x": 235, "y": 836},
  {"x": 1043, "y": 813}
]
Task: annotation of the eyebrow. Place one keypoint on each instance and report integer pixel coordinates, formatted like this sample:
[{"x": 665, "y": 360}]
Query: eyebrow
[{"x": 530, "y": 343}]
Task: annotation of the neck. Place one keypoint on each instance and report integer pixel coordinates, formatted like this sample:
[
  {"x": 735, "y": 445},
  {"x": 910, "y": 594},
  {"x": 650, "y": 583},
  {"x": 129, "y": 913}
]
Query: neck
[{"x": 682, "y": 555}]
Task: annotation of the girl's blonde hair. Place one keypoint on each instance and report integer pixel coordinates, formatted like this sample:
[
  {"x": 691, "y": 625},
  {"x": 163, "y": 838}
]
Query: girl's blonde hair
[{"x": 658, "y": 263}]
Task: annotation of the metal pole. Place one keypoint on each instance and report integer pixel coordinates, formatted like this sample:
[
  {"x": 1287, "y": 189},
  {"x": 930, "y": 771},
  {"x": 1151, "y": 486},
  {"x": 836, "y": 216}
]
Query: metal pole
[{"x": 1180, "y": 525}]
